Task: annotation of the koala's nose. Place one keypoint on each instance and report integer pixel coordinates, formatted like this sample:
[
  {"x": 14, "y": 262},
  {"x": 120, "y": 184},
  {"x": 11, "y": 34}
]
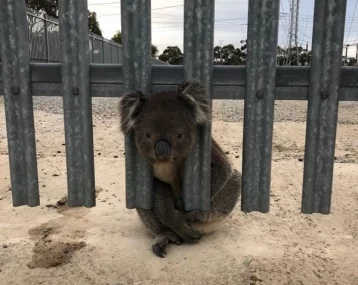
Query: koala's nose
[{"x": 162, "y": 149}]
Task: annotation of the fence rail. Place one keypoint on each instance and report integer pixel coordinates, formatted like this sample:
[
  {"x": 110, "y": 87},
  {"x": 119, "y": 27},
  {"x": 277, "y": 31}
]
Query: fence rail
[{"x": 259, "y": 83}]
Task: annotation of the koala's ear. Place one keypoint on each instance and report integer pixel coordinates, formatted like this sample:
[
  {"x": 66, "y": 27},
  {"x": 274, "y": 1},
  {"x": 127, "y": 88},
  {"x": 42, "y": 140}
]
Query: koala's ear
[
  {"x": 129, "y": 108},
  {"x": 194, "y": 93}
]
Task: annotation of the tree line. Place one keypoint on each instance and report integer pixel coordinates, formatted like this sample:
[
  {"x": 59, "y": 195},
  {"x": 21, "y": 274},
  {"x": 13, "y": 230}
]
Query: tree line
[
  {"x": 223, "y": 55},
  {"x": 230, "y": 55}
]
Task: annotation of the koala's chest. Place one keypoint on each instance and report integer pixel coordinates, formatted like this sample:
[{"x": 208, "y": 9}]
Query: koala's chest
[{"x": 165, "y": 172}]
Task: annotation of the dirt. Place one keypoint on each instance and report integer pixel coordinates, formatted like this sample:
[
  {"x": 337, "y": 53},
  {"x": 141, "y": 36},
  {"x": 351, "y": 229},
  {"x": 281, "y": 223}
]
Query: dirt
[{"x": 107, "y": 244}]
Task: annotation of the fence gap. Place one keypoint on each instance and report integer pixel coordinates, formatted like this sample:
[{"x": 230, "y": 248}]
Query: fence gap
[
  {"x": 262, "y": 36},
  {"x": 326, "y": 61},
  {"x": 137, "y": 75},
  {"x": 75, "y": 71},
  {"x": 15, "y": 62}
]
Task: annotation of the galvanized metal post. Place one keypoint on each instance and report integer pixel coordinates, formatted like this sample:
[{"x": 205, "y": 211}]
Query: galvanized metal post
[
  {"x": 198, "y": 63},
  {"x": 327, "y": 45},
  {"x": 46, "y": 38},
  {"x": 15, "y": 62},
  {"x": 111, "y": 45},
  {"x": 259, "y": 104},
  {"x": 103, "y": 58},
  {"x": 92, "y": 42},
  {"x": 75, "y": 72},
  {"x": 137, "y": 75}
]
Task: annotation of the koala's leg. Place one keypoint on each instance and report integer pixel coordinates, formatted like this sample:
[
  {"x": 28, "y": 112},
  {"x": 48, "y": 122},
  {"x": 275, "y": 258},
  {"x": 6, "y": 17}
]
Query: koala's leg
[
  {"x": 174, "y": 219},
  {"x": 162, "y": 234},
  {"x": 225, "y": 200}
]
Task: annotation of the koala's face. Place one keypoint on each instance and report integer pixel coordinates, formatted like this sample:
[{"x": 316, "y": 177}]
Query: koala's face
[{"x": 164, "y": 124}]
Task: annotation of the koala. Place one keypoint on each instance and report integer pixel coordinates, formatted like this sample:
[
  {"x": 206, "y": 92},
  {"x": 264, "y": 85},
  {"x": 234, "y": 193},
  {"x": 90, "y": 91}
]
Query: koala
[{"x": 164, "y": 127}]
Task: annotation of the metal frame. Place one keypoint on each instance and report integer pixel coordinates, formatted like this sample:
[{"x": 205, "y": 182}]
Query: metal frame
[
  {"x": 46, "y": 20},
  {"x": 260, "y": 83}
]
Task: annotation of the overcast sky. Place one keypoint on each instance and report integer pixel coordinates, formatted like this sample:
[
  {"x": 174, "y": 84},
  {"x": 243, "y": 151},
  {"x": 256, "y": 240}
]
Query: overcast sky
[{"x": 230, "y": 21}]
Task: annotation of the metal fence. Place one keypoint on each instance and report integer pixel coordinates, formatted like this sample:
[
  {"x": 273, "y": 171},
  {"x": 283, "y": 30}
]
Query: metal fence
[
  {"x": 44, "y": 42},
  {"x": 259, "y": 83}
]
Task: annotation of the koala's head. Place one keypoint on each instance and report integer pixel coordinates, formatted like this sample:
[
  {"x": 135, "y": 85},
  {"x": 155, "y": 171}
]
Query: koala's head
[{"x": 164, "y": 124}]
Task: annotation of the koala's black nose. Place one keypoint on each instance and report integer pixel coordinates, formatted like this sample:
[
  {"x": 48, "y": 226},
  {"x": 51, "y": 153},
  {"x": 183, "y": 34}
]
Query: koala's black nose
[{"x": 162, "y": 149}]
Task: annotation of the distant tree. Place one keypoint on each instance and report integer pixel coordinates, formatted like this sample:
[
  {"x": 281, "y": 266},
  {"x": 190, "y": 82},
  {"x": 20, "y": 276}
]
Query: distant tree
[
  {"x": 350, "y": 61},
  {"x": 172, "y": 55},
  {"x": 93, "y": 25},
  {"x": 154, "y": 51},
  {"x": 117, "y": 37},
  {"x": 217, "y": 55},
  {"x": 50, "y": 7},
  {"x": 229, "y": 55},
  {"x": 305, "y": 57}
]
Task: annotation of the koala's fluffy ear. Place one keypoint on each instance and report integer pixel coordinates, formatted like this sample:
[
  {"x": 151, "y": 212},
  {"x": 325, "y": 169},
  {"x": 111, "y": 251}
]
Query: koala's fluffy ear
[
  {"x": 129, "y": 108},
  {"x": 194, "y": 93}
]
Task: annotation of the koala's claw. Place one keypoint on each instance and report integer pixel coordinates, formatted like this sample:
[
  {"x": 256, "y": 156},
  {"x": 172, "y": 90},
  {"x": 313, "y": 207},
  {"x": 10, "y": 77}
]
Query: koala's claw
[{"x": 159, "y": 248}]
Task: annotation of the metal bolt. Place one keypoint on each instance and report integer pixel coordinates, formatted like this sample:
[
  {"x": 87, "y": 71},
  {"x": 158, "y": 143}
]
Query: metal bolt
[
  {"x": 324, "y": 95},
  {"x": 75, "y": 91},
  {"x": 260, "y": 94},
  {"x": 15, "y": 90}
]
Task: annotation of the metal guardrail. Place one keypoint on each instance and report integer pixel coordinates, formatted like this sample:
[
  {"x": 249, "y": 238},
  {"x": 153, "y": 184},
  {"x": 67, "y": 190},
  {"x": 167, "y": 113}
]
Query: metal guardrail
[{"x": 324, "y": 83}]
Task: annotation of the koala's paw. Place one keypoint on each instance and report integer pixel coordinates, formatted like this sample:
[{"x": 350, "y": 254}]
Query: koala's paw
[
  {"x": 161, "y": 242},
  {"x": 159, "y": 247}
]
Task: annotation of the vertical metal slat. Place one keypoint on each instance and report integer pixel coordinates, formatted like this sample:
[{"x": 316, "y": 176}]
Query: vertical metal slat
[
  {"x": 46, "y": 38},
  {"x": 15, "y": 59},
  {"x": 75, "y": 72},
  {"x": 137, "y": 73},
  {"x": 198, "y": 63},
  {"x": 328, "y": 33},
  {"x": 259, "y": 104}
]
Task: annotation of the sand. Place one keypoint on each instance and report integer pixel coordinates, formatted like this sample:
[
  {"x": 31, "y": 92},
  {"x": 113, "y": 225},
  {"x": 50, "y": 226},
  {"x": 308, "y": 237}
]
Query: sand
[{"x": 107, "y": 244}]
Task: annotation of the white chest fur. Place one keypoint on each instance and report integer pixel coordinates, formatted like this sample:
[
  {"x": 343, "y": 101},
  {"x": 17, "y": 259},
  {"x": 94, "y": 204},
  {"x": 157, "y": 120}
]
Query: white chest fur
[{"x": 164, "y": 171}]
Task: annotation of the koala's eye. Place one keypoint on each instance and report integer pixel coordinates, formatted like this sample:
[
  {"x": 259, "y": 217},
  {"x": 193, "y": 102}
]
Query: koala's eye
[
  {"x": 147, "y": 136},
  {"x": 179, "y": 136}
]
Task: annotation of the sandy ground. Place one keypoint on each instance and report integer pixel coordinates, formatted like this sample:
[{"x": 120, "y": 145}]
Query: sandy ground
[{"x": 107, "y": 244}]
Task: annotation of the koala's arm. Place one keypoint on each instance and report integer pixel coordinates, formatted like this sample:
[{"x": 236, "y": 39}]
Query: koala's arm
[
  {"x": 163, "y": 207},
  {"x": 177, "y": 188}
]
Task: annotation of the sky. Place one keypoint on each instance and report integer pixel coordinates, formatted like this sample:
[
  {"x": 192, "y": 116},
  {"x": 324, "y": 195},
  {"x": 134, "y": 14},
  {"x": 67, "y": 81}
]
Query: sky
[{"x": 230, "y": 22}]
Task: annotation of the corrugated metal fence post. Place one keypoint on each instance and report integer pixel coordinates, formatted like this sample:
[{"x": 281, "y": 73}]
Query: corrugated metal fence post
[
  {"x": 103, "y": 57},
  {"x": 75, "y": 72},
  {"x": 46, "y": 38},
  {"x": 92, "y": 50},
  {"x": 15, "y": 60},
  {"x": 137, "y": 75},
  {"x": 118, "y": 51},
  {"x": 327, "y": 44},
  {"x": 259, "y": 104},
  {"x": 198, "y": 63},
  {"x": 111, "y": 47}
]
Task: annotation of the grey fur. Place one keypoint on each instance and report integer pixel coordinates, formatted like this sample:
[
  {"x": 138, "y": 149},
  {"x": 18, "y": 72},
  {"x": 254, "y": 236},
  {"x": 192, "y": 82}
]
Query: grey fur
[{"x": 184, "y": 110}]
